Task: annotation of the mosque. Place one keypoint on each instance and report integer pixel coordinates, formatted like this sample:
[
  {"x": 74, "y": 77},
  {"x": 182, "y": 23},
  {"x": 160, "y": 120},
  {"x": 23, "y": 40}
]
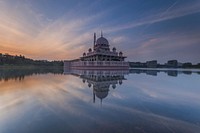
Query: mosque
[{"x": 99, "y": 57}]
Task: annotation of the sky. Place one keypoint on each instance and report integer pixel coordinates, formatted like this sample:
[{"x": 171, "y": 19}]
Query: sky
[{"x": 63, "y": 29}]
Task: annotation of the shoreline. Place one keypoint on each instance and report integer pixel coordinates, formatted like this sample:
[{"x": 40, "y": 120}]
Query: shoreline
[
  {"x": 168, "y": 69},
  {"x": 30, "y": 67}
]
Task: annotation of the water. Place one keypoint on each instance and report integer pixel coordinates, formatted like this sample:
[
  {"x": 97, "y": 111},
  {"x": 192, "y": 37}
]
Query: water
[{"x": 142, "y": 101}]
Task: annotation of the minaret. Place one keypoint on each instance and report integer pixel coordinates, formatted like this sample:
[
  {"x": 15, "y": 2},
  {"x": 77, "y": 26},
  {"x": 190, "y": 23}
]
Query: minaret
[
  {"x": 94, "y": 39},
  {"x": 101, "y": 33},
  {"x": 93, "y": 96}
]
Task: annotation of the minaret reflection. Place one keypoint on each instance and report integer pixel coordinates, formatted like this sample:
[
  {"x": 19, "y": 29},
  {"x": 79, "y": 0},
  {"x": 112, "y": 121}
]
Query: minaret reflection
[{"x": 101, "y": 81}]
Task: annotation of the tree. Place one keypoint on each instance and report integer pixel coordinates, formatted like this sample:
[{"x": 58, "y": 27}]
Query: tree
[{"x": 187, "y": 65}]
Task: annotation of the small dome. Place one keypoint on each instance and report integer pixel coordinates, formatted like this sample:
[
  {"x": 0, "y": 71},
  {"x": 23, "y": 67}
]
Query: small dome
[
  {"x": 84, "y": 54},
  {"x": 114, "y": 86},
  {"x": 114, "y": 49},
  {"x": 102, "y": 40},
  {"x": 89, "y": 85},
  {"x": 120, "y": 53},
  {"x": 90, "y": 50}
]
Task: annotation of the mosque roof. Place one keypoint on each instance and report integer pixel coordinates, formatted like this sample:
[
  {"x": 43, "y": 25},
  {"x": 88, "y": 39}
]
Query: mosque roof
[{"x": 102, "y": 40}]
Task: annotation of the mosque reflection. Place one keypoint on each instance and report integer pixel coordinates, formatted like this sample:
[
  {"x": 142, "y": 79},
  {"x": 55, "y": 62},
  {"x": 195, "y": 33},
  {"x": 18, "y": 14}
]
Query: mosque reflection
[{"x": 101, "y": 81}]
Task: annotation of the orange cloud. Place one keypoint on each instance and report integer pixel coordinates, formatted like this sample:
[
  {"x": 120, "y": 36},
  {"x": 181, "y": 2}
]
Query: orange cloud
[{"x": 22, "y": 31}]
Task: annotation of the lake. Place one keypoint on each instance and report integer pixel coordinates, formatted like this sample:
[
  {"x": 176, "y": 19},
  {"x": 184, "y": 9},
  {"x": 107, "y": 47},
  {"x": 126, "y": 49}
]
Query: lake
[{"x": 139, "y": 100}]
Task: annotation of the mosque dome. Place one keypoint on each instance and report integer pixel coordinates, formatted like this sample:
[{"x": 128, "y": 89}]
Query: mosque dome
[
  {"x": 101, "y": 94},
  {"x": 101, "y": 90},
  {"x": 102, "y": 40}
]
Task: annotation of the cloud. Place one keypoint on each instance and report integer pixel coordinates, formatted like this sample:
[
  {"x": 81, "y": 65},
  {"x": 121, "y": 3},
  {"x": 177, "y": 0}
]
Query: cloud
[
  {"x": 29, "y": 31},
  {"x": 180, "y": 11},
  {"x": 167, "y": 46},
  {"x": 23, "y": 31}
]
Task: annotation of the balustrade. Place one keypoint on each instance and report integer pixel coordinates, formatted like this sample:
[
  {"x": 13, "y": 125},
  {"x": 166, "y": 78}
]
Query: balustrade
[{"x": 99, "y": 63}]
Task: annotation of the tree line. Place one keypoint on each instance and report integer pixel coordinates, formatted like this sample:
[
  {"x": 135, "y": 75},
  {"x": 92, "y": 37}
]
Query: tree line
[{"x": 20, "y": 60}]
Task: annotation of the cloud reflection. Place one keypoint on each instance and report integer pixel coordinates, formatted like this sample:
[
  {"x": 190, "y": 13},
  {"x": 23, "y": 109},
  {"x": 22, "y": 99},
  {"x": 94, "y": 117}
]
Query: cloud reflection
[{"x": 142, "y": 103}]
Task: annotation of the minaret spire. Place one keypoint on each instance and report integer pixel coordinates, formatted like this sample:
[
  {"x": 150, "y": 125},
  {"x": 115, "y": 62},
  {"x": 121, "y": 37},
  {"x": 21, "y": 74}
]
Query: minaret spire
[
  {"x": 101, "y": 33},
  {"x": 94, "y": 39},
  {"x": 93, "y": 97}
]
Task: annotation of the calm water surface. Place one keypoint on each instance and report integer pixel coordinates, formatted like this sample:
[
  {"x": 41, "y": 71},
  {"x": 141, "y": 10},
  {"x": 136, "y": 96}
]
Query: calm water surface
[{"x": 142, "y": 101}]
